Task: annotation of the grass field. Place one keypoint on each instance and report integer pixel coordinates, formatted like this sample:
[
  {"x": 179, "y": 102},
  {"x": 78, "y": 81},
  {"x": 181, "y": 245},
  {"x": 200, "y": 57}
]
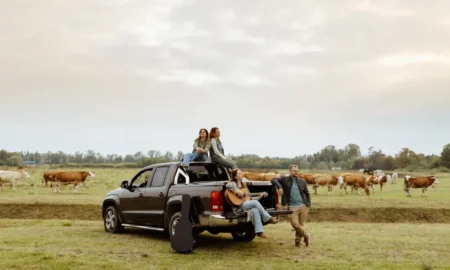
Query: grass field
[
  {"x": 95, "y": 189},
  {"x": 63, "y": 244}
]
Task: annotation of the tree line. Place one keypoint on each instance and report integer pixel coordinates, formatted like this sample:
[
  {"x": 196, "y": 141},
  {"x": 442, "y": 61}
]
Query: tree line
[{"x": 329, "y": 157}]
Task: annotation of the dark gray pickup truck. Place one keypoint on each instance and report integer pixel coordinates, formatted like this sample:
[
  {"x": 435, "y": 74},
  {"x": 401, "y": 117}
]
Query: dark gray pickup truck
[{"x": 152, "y": 200}]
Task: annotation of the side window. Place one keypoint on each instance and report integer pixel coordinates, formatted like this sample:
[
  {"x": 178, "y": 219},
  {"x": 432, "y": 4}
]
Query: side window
[
  {"x": 142, "y": 179},
  {"x": 159, "y": 177}
]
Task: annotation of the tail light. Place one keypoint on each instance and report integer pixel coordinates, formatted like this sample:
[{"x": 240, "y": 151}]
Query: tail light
[{"x": 216, "y": 201}]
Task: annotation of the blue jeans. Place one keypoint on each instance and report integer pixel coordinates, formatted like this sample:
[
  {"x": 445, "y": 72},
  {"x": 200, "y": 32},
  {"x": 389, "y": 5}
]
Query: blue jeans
[
  {"x": 196, "y": 156},
  {"x": 260, "y": 215}
]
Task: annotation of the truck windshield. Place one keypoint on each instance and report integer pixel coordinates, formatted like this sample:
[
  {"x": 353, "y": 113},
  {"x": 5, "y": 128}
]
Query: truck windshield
[{"x": 209, "y": 172}]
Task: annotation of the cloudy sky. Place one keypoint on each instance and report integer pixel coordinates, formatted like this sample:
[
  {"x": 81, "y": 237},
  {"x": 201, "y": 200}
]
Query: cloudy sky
[{"x": 279, "y": 78}]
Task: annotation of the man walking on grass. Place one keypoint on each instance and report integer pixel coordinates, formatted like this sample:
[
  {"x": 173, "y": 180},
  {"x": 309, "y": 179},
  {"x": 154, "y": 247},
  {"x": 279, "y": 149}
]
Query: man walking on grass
[{"x": 296, "y": 196}]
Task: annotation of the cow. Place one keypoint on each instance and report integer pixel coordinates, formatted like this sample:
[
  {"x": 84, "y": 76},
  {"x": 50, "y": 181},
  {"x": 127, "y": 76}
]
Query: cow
[
  {"x": 47, "y": 177},
  {"x": 326, "y": 180},
  {"x": 361, "y": 170},
  {"x": 355, "y": 181},
  {"x": 388, "y": 178},
  {"x": 309, "y": 178},
  {"x": 260, "y": 176},
  {"x": 376, "y": 180},
  {"x": 12, "y": 176},
  {"x": 419, "y": 182},
  {"x": 67, "y": 178},
  {"x": 368, "y": 171},
  {"x": 394, "y": 178}
]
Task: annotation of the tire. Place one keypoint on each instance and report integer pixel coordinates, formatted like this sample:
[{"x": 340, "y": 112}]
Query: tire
[
  {"x": 111, "y": 220},
  {"x": 173, "y": 221},
  {"x": 246, "y": 236}
]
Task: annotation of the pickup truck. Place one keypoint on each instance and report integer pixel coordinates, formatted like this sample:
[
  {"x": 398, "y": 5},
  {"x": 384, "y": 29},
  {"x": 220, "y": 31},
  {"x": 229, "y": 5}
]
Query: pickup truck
[{"x": 152, "y": 200}]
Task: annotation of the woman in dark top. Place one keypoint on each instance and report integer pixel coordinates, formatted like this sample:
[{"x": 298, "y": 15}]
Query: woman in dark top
[
  {"x": 201, "y": 148},
  {"x": 260, "y": 215},
  {"x": 216, "y": 151}
]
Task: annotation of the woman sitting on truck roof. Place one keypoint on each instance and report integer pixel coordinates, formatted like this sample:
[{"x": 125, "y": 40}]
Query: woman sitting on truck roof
[
  {"x": 260, "y": 215},
  {"x": 216, "y": 151},
  {"x": 201, "y": 148}
]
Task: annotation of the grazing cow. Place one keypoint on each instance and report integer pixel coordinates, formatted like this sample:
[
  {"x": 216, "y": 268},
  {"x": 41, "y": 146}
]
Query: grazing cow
[
  {"x": 67, "y": 178},
  {"x": 361, "y": 170},
  {"x": 309, "y": 178},
  {"x": 326, "y": 180},
  {"x": 368, "y": 171},
  {"x": 382, "y": 180},
  {"x": 394, "y": 178},
  {"x": 12, "y": 176},
  {"x": 355, "y": 181},
  {"x": 388, "y": 178},
  {"x": 419, "y": 182},
  {"x": 260, "y": 176}
]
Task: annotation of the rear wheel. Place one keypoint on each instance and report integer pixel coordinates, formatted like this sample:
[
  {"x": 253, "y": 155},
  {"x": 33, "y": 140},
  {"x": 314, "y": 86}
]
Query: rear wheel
[
  {"x": 244, "y": 236},
  {"x": 112, "y": 221}
]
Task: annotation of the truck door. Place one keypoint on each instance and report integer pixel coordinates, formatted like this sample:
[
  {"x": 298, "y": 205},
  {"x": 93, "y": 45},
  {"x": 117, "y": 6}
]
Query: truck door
[{"x": 153, "y": 199}]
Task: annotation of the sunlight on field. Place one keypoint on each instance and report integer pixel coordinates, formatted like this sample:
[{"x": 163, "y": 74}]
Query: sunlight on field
[
  {"x": 62, "y": 244},
  {"x": 94, "y": 190}
]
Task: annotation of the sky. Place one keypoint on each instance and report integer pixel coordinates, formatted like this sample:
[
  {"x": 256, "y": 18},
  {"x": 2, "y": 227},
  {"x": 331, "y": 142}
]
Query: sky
[{"x": 279, "y": 78}]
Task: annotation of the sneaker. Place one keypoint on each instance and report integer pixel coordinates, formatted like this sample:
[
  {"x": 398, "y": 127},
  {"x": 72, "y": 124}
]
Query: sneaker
[
  {"x": 297, "y": 242},
  {"x": 307, "y": 238}
]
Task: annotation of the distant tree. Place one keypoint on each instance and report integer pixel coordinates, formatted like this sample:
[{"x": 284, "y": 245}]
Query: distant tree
[
  {"x": 435, "y": 162},
  {"x": 389, "y": 163},
  {"x": 179, "y": 156},
  {"x": 322, "y": 166},
  {"x": 406, "y": 157},
  {"x": 14, "y": 160},
  {"x": 445, "y": 156},
  {"x": 304, "y": 164}
]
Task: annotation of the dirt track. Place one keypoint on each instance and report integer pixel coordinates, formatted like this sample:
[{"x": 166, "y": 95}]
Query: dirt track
[{"x": 368, "y": 215}]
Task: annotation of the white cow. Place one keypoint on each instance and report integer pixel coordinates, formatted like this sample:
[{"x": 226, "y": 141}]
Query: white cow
[
  {"x": 13, "y": 177},
  {"x": 394, "y": 178}
]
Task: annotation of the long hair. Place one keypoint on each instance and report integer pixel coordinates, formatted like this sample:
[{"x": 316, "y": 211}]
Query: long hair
[
  {"x": 207, "y": 134},
  {"x": 213, "y": 131},
  {"x": 233, "y": 174}
]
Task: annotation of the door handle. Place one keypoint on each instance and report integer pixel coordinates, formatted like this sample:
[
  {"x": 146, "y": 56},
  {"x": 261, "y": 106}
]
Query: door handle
[{"x": 161, "y": 194}]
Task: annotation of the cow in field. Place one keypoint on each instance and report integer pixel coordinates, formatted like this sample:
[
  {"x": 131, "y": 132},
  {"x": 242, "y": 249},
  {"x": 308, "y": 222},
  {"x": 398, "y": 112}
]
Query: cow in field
[
  {"x": 326, "y": 180},
  {"x": 67, "y": 178},
  {"x": 394, "y": 178},
  {"x": 12, "y": 176},
  {"x": 260, "y": 176},
  {"x": 368, "y": 171},
  {"x": 419, "y": 182},
  {"x": 309, "y": 178},
  {"x": 356, "y": 181},
  {"x": 377, "y": 180},
  {"x": 47, "y": 177}
]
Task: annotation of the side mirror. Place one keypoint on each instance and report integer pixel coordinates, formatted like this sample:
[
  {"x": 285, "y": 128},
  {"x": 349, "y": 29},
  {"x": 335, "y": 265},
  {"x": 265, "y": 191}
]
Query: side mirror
[{"x": 124, "y": 184}]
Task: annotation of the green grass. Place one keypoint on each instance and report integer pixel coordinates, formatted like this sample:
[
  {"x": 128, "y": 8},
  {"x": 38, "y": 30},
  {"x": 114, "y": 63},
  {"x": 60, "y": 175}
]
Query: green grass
[
  {"x": 50, "y": 244},
  {"x": 95, "y": 189}
]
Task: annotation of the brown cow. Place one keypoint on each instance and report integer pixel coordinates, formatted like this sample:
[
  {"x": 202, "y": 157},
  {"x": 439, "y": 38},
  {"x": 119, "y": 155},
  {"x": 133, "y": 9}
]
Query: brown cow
[
  {"x": 260, "y": 176},
  {"x": 67, "y": 178},
  {"x": 376, "y": 180},
  {"x": 309, "y": 178},
  {"x": 419, "y": 182},
  {"x": 326, "y": 180},
  {"x": 355, "y": 181}
]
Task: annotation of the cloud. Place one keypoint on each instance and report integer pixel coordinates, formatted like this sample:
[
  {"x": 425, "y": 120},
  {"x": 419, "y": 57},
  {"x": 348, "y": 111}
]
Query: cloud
[{"x": 414, "y": 58}]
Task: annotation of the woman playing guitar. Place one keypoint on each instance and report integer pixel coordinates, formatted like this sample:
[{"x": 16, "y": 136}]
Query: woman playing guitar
[{"x": 237, "y": 187}]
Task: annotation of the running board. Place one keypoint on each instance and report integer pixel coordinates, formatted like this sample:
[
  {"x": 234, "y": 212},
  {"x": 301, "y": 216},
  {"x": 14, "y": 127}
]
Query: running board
[{"x": 144, "y": 227}]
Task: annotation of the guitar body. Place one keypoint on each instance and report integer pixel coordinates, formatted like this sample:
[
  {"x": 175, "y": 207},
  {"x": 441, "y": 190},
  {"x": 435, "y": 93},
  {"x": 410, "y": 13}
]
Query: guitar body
[
  {"x": 234, "y": 200},
  {"x": 183, "y": 240}
]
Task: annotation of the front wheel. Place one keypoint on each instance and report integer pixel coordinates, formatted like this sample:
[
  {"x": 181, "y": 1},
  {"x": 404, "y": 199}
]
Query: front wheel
[
  {"x": 244, "y": 236},
  {"x": 111, "y": 220}
]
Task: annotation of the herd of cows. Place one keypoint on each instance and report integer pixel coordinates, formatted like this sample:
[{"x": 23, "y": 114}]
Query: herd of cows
[
  {"x": 56, "y": 178},
  {"x": 357, "y": 181}
]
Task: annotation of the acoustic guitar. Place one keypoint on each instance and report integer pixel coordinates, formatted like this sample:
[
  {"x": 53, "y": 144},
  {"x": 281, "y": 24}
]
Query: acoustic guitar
[{"x": 235, "y": 201}]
